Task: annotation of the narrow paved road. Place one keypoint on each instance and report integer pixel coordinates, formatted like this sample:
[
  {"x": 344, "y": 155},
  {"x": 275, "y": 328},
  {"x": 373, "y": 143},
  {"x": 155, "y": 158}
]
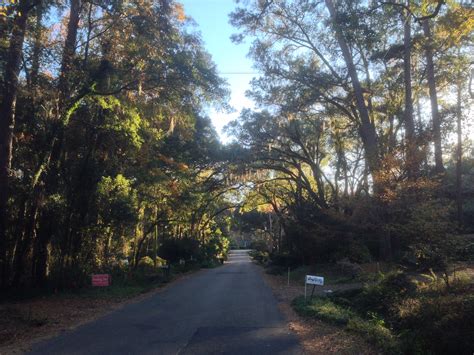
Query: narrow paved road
[{"x": 227, "y": 310}]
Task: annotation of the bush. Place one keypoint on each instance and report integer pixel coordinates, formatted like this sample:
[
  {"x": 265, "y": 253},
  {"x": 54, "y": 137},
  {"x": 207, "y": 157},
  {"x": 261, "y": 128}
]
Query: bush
[
  {"x": 355, "y": 252},
  {"x": 375, "y": 332},
  {"x": 441, "y": 324},
  {"x": 174, "y": 249},
  {"x": 285, "y": 260},
  {"x": 259, "y": 245},
  {"x": 384, "y": 295},
  {"x": 215, "y": 250},
  {"x": 261, "y": 257},
  {"x": 428, "y": 319},
  {"x": 146, "y": 264},
  {"x": 160, "y": 261}
]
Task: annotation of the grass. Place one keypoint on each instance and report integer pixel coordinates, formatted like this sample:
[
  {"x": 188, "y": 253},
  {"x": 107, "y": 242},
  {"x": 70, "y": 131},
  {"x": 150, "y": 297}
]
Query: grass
[
  {"x": 373, "y": 330},
  {"x": 322, "y": 308}
]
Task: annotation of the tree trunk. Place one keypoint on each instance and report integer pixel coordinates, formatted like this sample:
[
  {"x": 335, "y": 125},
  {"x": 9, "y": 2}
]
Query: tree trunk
[
  {"x": 64, "y": 92},
  {"x": 68, "y": 52},
  {"x": 411, "y": 148},
  {"x": 37, "y": 47},
  {"x": 367, "y": 128},
  {"x": 40, "y": 251},
  {"x": 430, "y": 74},
  {"x": 24, "y": 245},
  {"x": 459, "y": 199},
  {"x": 7, "y": 123}
]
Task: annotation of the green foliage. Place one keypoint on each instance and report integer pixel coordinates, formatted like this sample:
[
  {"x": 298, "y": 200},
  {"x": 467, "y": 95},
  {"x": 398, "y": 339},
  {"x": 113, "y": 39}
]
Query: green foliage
[
  {"x": 386, "y": 293},
  {"x": 354, "y": 251},
  {"x": 259, "y": 245},
  {"x": 119, "y": 119},
  {"x": 376, "y": 332},
  {"x": 216, "y": 247},
  {"x": 146, "y": 264},
  {"x": 373, "y": 330},
  {"x": 441, "y": 324},
  {"x": 401, "y": 316},
  {"x": 324, "y": 309},
  {"x": 262, "y": 257},
  {"x": 284, "y": 259},
  {"x": 118, "y": 160},
  {"x": 117, "y": 199},
  {"x": 175, "y": 249},
  {"x": 160, "y": 261}
]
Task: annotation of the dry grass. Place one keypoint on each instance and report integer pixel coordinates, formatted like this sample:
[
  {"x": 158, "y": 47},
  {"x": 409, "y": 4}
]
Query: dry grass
[{"x": 23, "y": 323}]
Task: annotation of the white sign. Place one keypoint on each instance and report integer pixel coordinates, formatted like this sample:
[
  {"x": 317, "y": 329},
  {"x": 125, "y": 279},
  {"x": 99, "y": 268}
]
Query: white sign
[{"x": 315, "y": 280}]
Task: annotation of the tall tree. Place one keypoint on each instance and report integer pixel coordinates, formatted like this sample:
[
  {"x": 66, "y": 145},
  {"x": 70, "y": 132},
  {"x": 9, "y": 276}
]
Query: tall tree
[
  {"x": 430, "y": 76},
  {"x": 7, "y": 119},
  {"x": 367, "y": 128},
  {"x": 411, "y": 144}
]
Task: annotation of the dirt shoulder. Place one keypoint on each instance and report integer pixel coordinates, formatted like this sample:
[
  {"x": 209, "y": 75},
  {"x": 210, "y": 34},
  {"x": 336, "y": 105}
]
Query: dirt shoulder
[
  {"x": 315, "y": 336},
  {"x": 24, "y": 323}
]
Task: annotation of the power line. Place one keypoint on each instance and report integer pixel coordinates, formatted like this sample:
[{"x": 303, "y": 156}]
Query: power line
[{"x": 238, "y": 73}]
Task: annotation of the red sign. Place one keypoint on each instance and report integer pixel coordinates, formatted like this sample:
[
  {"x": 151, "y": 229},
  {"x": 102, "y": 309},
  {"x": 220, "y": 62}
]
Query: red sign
[{"x": 101, "y": 280}]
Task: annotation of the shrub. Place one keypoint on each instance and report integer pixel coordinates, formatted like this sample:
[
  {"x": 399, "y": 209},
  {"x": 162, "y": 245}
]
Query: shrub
[
  {"x": 285, "y": 260},
  {"x": 146, "y": 264},
  {"x": 261, "y": 257},
  {"x": 259, "y": 245},
  {"x": 440, "y": 324},
  {"x": 160, "y": 261},
  {"x": 384, "y": 295},
  {"x": 355, "y": 252},
  {"x": 375, "y": 332},
  {"x": 174, "y": 249}
]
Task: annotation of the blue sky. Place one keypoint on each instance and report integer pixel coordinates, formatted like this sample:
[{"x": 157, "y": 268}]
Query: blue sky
[{"x": 212, "y": 19}]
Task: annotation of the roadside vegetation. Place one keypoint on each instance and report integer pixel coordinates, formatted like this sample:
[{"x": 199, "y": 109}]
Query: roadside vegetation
[
  {"x": 361, "y": 164},
  {"x": 108, "y": 162},
  {"x": 401, "y": 315}
]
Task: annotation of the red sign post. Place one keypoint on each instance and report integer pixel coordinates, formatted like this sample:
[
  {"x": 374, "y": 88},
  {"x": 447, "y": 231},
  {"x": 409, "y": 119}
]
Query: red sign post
[{"x": 101, "y": 280}]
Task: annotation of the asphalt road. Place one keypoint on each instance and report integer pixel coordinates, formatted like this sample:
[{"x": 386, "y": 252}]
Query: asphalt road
[{"x": 226, "y": 310}]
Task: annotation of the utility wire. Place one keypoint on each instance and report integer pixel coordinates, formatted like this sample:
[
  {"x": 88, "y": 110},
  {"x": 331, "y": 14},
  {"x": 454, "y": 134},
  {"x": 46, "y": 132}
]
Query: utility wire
[{"x": 238, "y": 73}]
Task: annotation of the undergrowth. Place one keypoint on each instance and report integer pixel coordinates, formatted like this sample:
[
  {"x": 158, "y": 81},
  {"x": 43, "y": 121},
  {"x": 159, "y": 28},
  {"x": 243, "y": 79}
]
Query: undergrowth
[{"x": 401, "y": 315}]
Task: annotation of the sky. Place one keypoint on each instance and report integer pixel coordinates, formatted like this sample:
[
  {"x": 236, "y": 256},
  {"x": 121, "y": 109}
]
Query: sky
[{"x": 212, "y": 19}]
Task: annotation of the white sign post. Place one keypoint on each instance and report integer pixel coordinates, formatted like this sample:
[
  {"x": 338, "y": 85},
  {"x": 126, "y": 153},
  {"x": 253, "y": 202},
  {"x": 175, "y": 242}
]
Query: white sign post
[{"x": 313, "y": 280}]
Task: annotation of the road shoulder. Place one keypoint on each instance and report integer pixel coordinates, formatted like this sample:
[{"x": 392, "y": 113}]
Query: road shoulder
[{"x": 316, "y": 337}]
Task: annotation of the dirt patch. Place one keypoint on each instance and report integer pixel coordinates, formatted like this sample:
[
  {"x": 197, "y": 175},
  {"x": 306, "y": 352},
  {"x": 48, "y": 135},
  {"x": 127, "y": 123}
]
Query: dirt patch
[
  {"x": 315, "y": 336},
  {"x": 23, "y": 323}
]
